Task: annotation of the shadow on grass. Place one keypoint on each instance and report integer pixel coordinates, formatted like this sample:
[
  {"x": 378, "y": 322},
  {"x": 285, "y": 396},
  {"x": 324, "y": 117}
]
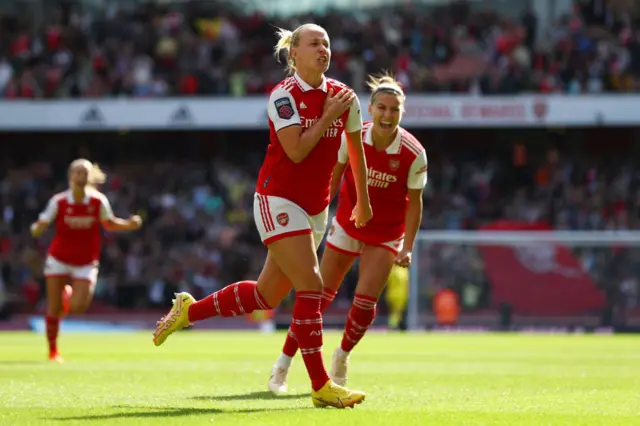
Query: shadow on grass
[
  {"x": 160, "y": 412},
  {"x": 264, "y": 395},
  {"x": 21, "y": 362}
]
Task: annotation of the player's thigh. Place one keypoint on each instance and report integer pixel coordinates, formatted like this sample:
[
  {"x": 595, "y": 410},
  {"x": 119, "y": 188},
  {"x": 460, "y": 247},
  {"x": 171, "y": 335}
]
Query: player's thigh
[
  {"x": 83, "y": 281},
  {"x": 273, "y": 284},
  {"x": 287, "y": 232},
  {"x": 57, "y": 275},
  {"x": 375, "y": 266},
  {"x": 340, "y": 253},
  {"x": 318, "y": 225},
  {"x": 334, "y": 266},
  {"x": 54, "y": 287},
  {"x": 296, "y": 257}
]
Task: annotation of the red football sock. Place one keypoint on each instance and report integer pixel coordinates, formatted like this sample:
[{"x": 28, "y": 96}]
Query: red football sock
[
  {"x": 361, "y": 316},
  {"x": 52, "y": 325},
  {"x": 306, "y": 325},
  {"x": 290, "y": 347},
  {"x": 236, "y": 299},
  {"x": 291, "y": 344}
]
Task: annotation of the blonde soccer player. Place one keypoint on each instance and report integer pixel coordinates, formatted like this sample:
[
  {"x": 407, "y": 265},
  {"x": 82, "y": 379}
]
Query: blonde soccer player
[
  {"x": 309, "y": 115},
  {"x": 396, "y": 176},
  {"x": 71, "y": 268}
]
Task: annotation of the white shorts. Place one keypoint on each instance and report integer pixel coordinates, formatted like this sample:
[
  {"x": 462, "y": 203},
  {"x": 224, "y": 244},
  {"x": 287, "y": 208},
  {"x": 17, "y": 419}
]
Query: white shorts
[
  {"x": 54, "y": 268},
  {"x": 340, "y": 241},
  {"x": 278, "y": 218}
]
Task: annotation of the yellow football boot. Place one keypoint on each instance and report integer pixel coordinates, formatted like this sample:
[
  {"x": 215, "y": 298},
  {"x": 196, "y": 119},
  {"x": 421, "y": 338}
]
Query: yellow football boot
[
  {"x": 332, "y": 395},
  {"x": 176, "y": 319}
]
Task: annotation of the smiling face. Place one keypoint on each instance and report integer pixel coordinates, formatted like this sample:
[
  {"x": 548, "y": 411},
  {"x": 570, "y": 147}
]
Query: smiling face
[
  {"x": 312, "y": 53},
  {"x": 386, "y": 113}
]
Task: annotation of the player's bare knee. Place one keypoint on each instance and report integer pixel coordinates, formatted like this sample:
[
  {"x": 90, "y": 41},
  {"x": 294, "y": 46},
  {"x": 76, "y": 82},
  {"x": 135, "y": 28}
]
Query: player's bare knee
[
  {"x": 371, "y": 284},
  {"x": 272, "y": 299},
  {"x": 370, "y": 290},
  {"x": 312, "y": 282},
  {"x": 78, "y": 306},
  {"x": 54, "y": 308}
]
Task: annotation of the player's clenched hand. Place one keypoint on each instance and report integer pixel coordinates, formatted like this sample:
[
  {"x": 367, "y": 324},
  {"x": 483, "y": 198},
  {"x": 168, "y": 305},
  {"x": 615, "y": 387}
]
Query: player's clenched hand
[
  {"x": 336, "y": 105},
  {"x": 404, "y": 258},
  {"x": 135, "y": 222},
  {"x": 361, "y": 214},
  {"x": 38, "y": 229}
]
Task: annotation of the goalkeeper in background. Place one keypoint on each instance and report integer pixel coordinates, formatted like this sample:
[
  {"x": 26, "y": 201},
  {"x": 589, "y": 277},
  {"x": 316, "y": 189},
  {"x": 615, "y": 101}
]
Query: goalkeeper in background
[{"x": 397, "y": 295}]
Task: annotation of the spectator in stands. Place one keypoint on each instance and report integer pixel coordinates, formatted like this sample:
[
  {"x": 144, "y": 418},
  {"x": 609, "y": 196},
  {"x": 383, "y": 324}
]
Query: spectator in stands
[{"x": 176, "y": 50}]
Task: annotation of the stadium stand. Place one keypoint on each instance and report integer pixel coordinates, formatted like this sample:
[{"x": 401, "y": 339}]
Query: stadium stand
[{"x": 199, "y": 234}]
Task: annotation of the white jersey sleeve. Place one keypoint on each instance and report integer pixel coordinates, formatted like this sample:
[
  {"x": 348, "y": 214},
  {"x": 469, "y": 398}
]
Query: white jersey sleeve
[
  {"x": 51, "y": 211},
  {"x": 354, "y": 120},
  {"x": 282, "y": 109},
  {"x": 106, "y": 212},
  {"x": 418, "y": 172},
  {"x": 343, "y": 152}
]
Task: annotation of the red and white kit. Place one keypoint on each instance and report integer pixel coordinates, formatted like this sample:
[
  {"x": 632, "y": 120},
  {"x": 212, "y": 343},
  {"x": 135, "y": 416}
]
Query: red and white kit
[
  {"x": 293, "y": 199},
  {"x": 391, "y": 173},
  {"x": 75, "y": 249}
]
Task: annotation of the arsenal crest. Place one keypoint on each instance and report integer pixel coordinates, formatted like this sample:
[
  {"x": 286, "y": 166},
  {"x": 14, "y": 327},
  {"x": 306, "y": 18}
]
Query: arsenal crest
[
  {"x": 540, "y": 109},
  {"x": 394, "y": 164},
  {"x": 283, "y": 219}
]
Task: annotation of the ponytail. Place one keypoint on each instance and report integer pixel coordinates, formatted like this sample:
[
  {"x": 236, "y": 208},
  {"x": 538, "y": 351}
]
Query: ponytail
[
  {"x": 95, "y": 174},
  {"x": 385, "y": 83},
  {"x": 288, "y": 40}
]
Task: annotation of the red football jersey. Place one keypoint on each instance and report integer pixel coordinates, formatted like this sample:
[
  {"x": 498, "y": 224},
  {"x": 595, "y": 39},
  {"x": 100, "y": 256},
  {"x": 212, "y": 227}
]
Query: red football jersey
[
  {"x": 390, "y": 174},
  {"x": 78, "y": 237},
  {"x": 294, "y": 102}
]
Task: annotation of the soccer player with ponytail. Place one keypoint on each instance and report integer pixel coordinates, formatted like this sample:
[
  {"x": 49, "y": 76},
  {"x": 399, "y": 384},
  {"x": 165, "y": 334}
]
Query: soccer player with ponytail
[
  {"x": 71, "y": 266},
  {"x": 397, "y": 174},
  {"x": 309, "y": 117}
]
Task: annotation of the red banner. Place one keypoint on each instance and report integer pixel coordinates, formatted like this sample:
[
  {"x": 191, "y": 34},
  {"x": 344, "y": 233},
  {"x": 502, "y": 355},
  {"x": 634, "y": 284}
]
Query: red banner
[{"x": 538, "y": 279}]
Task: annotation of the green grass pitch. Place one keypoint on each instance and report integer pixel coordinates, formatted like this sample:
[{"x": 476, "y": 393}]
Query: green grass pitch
[{"x": 219, "y": 378}]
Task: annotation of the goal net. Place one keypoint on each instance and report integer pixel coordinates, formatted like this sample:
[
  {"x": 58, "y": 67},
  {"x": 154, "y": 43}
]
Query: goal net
[{"x": 588, "y": 278}]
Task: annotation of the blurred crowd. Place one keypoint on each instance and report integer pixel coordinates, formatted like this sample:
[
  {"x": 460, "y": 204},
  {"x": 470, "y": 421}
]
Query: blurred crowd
[
  {"x": 206, "y": 48},
  {"x": 566, "y": 192},
  {"x": 199, "y": 233}
]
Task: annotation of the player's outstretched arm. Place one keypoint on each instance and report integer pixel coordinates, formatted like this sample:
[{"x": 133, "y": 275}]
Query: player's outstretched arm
[
  {"x": 112, "y": 223},
  {"x": 47, "y": 216},
  {"x": 115, "y": 224},
  {"x": 38, "y": 227}
]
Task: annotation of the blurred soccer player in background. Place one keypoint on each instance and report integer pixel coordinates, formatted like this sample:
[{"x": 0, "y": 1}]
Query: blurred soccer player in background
[{"x": 71, "y": 267}]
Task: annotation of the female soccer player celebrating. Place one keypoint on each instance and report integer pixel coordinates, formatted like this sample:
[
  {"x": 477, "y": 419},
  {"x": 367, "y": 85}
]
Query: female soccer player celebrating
[
  {"x": 75, "y": 250},
  {"x": 308, "y": 115},
  {"x": 396, "y": 177}
]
